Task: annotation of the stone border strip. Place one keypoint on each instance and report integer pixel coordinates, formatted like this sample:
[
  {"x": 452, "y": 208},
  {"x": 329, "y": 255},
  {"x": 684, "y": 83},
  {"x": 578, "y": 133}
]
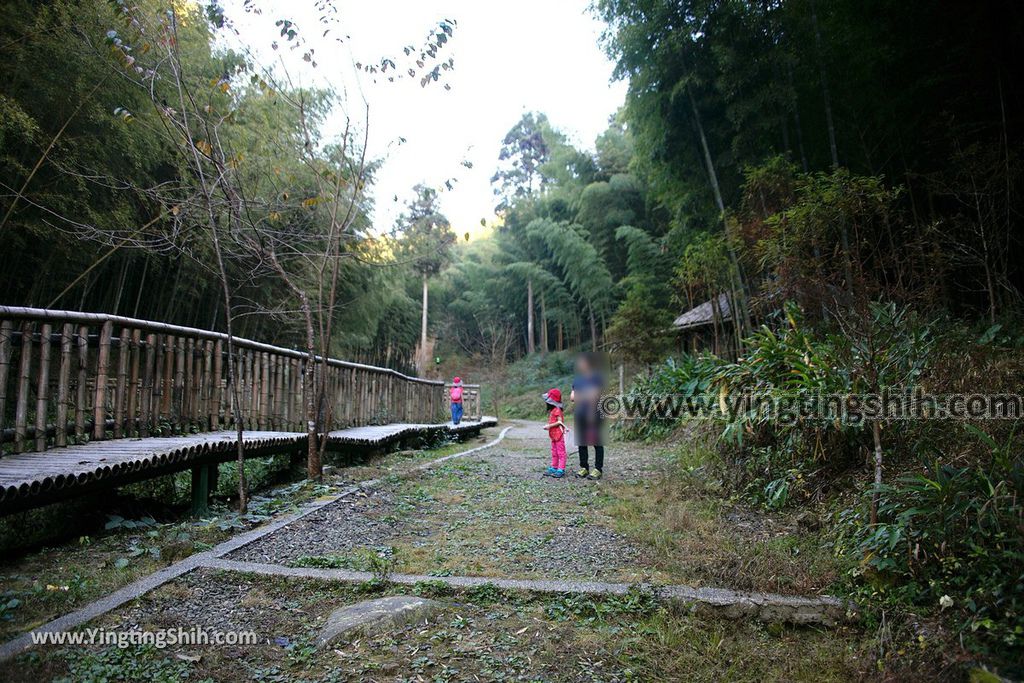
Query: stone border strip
[
  {"x": 767, "y": 607},
  {"x": 138, "y": 588}
]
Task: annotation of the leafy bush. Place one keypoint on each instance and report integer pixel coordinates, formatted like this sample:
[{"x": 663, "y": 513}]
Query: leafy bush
[
  {"x": 685, "y": 377},
  {"x": 949, "y": 540},
  {"x": 948, "y": 536}
]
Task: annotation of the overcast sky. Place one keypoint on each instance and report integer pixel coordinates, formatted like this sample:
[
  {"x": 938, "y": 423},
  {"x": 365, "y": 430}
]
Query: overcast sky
[{"x": 510, "y": 58}]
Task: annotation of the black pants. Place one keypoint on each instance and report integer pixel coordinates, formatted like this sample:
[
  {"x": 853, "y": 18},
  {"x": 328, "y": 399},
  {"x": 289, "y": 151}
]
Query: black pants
[
  {"x": 598, "y": 457},
  {"x": 588, "y": 431}
]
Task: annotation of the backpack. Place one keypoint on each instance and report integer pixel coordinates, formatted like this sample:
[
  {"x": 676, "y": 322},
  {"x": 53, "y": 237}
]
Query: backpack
[{"x": 456, "y": 394}]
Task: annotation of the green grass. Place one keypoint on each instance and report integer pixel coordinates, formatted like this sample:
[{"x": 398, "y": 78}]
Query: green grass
[{"x": 481, "y": 634}]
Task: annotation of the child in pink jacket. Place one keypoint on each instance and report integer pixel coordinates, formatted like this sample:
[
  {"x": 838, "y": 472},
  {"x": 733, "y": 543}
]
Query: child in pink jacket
[
  {"x": 456, "y": 398},
  {"x": 556, "y": 431}
]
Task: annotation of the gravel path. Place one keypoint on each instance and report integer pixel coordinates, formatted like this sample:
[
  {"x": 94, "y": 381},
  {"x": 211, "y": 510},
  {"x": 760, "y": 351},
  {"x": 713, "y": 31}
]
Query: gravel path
[
  {"x": 338, "y": 528},
  {"x": 491, "y": 514}
]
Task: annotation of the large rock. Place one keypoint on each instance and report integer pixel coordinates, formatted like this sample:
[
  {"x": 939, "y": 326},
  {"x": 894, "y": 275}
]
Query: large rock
[{"x": 373, "y": 616}]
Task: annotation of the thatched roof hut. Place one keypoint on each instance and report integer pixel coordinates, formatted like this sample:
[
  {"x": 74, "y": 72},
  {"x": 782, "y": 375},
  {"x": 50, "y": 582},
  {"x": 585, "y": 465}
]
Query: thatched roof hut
[{"x": 703, "y": 314}]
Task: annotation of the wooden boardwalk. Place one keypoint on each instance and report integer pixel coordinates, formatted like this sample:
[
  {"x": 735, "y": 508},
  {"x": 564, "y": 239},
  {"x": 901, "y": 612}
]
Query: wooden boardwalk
[{"x": 30, "y": 480}]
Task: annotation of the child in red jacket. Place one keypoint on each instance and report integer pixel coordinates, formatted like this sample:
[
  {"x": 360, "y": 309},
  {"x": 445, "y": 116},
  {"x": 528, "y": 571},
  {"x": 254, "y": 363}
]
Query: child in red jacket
[{"x": 556, "y": 431}]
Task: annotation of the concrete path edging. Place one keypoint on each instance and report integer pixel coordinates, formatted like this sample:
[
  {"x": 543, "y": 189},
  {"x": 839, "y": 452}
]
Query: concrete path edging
[
  {"x": 767, "y": 607},
  {"x": 101, "y": 606}
]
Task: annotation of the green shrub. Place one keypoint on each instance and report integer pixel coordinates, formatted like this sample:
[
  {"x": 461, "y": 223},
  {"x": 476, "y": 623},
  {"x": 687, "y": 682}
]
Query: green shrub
[{"x": 949, "y": 540}]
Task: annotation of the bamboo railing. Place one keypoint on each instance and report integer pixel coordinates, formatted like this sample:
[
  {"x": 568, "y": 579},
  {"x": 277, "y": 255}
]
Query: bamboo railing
[
  {"x": 472, "y": 407},
  {"x": 69, "y": 377}
]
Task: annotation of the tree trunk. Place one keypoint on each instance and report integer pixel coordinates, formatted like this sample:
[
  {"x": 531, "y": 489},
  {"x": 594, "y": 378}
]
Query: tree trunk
[
  {"x": 529, "y": 317},
  {"x": 824, "y": 86},
  {"x": 716, "y": 190},
  {"x": 423, "y": 325},
  {"x": 593, "y": 330},
  {"x": 236, "y": 398},
  {"x": 543, "y": 326},
  {"x": 314, "y": 464},
  {"x": 796, "y": 119}
]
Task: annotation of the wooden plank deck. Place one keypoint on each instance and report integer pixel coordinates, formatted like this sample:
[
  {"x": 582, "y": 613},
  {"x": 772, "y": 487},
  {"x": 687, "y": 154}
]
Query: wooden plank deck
[{"x": 30, "y": 480}]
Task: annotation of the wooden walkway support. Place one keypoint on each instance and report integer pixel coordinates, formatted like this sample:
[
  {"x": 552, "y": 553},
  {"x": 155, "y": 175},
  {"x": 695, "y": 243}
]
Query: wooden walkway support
[{"x": 29, "y": 480}]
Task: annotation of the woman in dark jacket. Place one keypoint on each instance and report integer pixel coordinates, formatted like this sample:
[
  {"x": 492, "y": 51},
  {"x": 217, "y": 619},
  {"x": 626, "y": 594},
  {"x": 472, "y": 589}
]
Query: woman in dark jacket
[{"x": 587, "y": 386}]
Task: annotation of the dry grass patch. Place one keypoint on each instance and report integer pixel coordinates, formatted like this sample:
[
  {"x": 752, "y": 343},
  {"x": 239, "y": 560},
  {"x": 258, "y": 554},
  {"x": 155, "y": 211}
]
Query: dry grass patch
[{"x": 702, "y": 540}]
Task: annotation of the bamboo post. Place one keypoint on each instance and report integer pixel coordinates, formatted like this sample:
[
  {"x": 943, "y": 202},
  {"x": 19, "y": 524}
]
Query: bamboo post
[
  {"x": 200, "y": 490},
  {"x": 279, "y": 400},
  {"x": 99, "y": 407},
  {"x": 179, "y": 382},
  {"x": 133, "y": 382},
  {"x": 190, "y": 381},
  {"x": 157, "y": 400},
  {"x": 264, "y": 413},
  {"x": 43, "y": 387},
  {"x": 146, "y": 398},
  {"x": 80, "y": 387},
  {"x": 218, "y": 371},
  {"x": 254, "y": 389},
  {"x": 121, "y": 387},
  {"x": 287, "y": 396},
  {"x": 208, "y": 381},
  {"x": 198, "y": 409},
  {"x": 167, "y": 382},
  {"x": 21, "y": 408},
  {"x": 64, "y": 384},
  {"x": 6, "y": 329}
]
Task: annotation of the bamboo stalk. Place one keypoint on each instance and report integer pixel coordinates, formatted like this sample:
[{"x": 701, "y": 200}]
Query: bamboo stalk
[
  {"x": 254, "y": 388},
  {"x": 157, "y": 394},
  {"x": 179, "y": 383},
  {"x": 43, "y": 387},
  {"x": 6, "y": 330},
  {"x": 21, "y": 407},
  {"x": 277, "y": 414},
  {"x": 167, "y": 382},
  {"x": 133, "y": 381},
  {"x": 99, "y": 415},
  {"x": 81, "y": 388},
  {"x": 197, "y": 383},
  {"x": 207, "y": 393},
  {"x": 64, "y": 383},
  {"x": 286, "y": 405},
  {"x": 218, "y": 371},
  {"x": 146, "y": 397},
  {"x": 121, "y": 387},
  {"x": 264, "y": 371},
  {"x": 190, "y": 382}
]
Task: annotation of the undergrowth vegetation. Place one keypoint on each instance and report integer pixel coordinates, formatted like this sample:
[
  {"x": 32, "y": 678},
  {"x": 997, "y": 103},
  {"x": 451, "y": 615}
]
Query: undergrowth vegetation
[{"x": 925, "y": 514}]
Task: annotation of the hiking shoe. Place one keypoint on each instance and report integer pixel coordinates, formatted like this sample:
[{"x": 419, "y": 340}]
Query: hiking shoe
[
  {"x": 558, "y": 474},
  {"x": 581, "y": 472},
  {"x": 594, "y": 474},
  {"x": 551, "y": 470}
]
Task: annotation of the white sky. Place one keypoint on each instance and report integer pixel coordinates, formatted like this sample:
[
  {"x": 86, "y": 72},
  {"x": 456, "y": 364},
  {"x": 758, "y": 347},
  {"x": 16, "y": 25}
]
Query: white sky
[{"x": 510, "y": 57}]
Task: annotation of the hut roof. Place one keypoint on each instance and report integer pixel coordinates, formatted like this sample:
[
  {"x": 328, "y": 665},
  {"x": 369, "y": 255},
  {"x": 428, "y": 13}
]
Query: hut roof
[{"x": 703, "y": 314}]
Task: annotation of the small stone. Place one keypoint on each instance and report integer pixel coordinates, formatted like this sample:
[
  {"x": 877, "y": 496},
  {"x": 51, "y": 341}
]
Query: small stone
[
  {"x": 374, "y": 616},
  {"x": 808, "y": 520}
]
